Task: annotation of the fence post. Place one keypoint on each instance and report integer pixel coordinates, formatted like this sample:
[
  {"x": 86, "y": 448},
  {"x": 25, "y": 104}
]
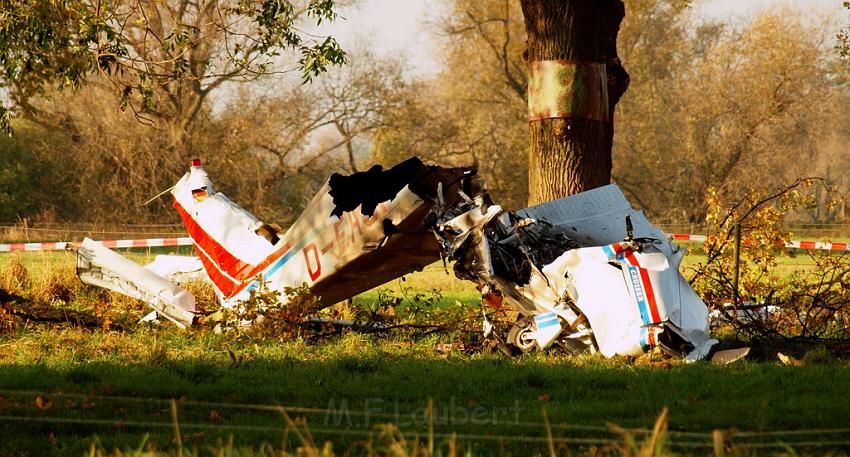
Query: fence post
[
  {"x": 719, "y": 440},
  {"x": 737, "y": 266}
]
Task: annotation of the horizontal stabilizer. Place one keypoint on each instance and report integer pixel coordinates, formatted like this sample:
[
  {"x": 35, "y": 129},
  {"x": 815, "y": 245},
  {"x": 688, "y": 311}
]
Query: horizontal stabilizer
[{"x": 99, "y": 266}]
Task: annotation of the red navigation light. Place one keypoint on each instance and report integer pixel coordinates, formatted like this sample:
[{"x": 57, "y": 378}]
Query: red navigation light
[{"x": 196, "y": 162}]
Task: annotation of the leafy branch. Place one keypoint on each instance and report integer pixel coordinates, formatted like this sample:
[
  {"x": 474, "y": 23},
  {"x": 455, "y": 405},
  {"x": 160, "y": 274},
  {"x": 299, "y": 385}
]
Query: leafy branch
[{"x": 145, "y": 47}]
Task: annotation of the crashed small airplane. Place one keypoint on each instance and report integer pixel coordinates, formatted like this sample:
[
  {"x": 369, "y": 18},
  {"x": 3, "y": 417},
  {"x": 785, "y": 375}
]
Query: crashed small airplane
[
  {"x": 578, "y": 275},
  {"x": 585, "y": 272}
]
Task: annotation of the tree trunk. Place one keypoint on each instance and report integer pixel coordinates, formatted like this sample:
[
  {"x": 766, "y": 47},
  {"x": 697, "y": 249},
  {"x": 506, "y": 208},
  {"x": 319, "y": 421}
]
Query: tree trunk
[{"x": 573, "y": 154}]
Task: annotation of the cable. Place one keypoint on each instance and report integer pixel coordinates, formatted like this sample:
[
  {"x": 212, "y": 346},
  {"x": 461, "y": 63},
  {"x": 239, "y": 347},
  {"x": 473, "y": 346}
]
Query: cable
[
  {"x": 260, "y": 428},
  {"x": 397, "y": 415}
]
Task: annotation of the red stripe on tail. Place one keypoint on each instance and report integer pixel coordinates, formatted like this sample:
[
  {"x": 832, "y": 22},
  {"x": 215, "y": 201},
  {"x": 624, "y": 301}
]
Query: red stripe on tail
[{"x": 215, "y": 257}]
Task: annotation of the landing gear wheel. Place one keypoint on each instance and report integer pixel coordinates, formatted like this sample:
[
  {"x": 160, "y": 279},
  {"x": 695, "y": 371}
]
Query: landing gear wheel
[{"x": 521, "y": 336}]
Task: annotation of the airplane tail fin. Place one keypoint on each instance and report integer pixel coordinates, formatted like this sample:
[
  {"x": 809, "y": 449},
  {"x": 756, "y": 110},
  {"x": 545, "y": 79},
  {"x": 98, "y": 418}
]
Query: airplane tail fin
[{"x": 230, "y": 241}]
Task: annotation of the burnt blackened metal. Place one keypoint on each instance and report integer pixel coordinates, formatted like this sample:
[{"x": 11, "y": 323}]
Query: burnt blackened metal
[
  {"x": 513, "y": 244},
  {"x": 407, "y": 243},
  {"x": 504, "y": 254},
  {"x": 368, "y": 189}
]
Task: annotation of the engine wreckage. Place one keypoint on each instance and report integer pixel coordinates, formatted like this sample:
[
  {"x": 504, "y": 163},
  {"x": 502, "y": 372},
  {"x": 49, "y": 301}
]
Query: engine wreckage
[{"x": 585, "y": 272}]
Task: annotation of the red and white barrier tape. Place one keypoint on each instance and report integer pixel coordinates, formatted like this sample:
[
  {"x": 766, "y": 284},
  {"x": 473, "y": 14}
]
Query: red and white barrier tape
[
  {"x": 112, "y": 244},
  {"x": 685, "y": 237},
  {"x": 816, "y": 245},
  {"x": 794, "y": 244}
]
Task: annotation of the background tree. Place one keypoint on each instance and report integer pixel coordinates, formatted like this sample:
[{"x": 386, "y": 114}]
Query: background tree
[
  {"x": 178, "y": 78},
  {"x": 179, "y": 49},
  {"x": 270, "y": 148},
  {"x": 573, "y": 154},
  {"x": 713, "y": 106}
]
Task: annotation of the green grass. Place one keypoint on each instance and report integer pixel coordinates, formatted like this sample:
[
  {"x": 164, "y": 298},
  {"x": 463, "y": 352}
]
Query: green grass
[
  {"x": 433, "y": 282},
  {"x": 392, "y": 379}
]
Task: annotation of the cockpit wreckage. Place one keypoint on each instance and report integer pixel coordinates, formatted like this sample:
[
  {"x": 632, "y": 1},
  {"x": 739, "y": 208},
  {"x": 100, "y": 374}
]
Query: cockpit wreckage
[{"x": 585, "y": 272}]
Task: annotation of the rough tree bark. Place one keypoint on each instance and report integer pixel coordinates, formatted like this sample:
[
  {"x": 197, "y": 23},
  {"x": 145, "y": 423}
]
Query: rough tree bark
[{"x": 570, "y": 155}]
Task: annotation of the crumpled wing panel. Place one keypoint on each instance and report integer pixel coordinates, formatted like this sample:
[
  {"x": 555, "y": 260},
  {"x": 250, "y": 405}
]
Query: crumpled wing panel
[{"x": 99, "y": 266}]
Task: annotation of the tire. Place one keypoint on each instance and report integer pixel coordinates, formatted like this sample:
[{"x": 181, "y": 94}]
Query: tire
[{"x": 520, "y": 336}]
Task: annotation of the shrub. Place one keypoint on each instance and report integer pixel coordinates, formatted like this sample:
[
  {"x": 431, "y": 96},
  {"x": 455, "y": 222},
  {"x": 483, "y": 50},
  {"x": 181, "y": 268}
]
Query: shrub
[{"x": 810, "y": 302}]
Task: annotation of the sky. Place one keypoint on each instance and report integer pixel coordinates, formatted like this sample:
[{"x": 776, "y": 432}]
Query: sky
[
  {"x": 400, "y": 27},
  {"x": 720, "y": 9},
  {"x": 392, "y": 28}
]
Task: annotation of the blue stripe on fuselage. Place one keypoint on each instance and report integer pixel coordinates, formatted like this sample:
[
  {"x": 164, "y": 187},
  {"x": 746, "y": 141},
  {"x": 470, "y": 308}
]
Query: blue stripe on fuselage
[{"x": 286, "y": 257}]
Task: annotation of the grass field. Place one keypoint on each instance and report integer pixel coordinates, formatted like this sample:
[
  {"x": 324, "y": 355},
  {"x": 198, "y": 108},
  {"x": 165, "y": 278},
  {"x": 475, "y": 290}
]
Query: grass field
[
  {"x": 57, "y": 385},
  {"x": 65, "y": 386}
]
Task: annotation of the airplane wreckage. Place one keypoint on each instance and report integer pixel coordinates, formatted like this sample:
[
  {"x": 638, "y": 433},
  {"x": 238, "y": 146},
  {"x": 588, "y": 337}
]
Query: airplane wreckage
[{"x": 585, "y": 272}]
